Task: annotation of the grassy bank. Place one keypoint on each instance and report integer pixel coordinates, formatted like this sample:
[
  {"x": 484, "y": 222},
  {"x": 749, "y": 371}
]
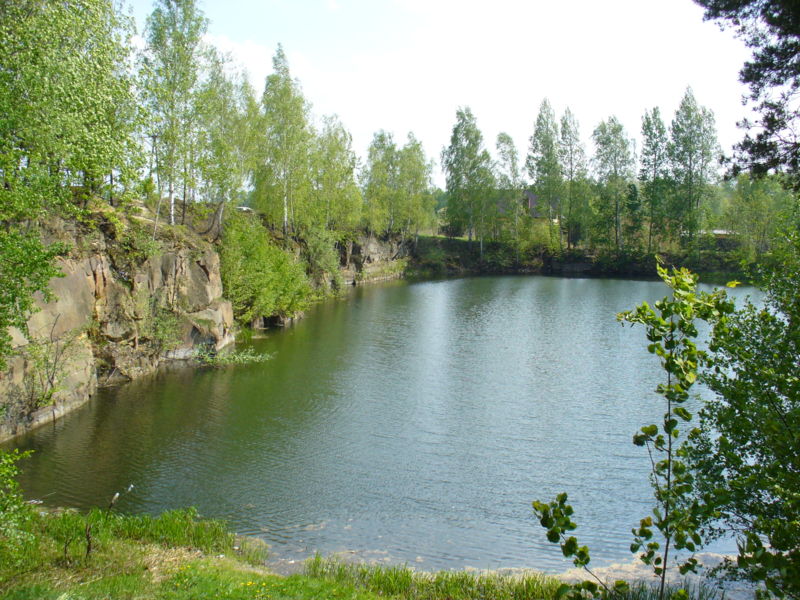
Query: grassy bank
[
  {"x": 65, "y": 555},
  {"x": 176, "y": 556}
]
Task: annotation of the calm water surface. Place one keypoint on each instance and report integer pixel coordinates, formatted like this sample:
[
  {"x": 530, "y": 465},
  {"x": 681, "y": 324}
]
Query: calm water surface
[{"x": 410, "y": 423}]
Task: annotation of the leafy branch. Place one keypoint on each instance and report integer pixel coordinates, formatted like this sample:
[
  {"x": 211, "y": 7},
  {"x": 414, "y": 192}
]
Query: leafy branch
[{"x": 678, "y": 513}]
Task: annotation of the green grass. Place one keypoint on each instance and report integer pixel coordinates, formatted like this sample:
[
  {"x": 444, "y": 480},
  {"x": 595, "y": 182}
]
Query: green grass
[
  {"x": 211, "y": 358},
  {"x": 403, "y": 582},
  {"x": 192, "y": 580},
  {"x": 408, "y": 584},
  {"x": 177, "y": 556}
]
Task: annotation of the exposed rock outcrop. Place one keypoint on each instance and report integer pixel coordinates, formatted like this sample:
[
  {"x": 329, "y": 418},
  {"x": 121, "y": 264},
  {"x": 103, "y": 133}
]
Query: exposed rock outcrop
[
  {"x": 112, "y": 318},
  {"x": 369, "y": 258}
]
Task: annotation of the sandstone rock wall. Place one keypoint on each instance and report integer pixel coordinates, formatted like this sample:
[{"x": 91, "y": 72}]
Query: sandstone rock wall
[{"x": 109, "y": 323}]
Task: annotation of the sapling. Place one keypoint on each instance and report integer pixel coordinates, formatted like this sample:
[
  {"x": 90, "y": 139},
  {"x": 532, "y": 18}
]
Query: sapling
[{"x": 675, "y": 522}]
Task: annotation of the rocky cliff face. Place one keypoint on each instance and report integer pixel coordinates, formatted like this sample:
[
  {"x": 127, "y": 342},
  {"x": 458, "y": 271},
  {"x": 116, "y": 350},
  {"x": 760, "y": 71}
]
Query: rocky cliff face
[
  {"x": 112, "y": 318},
  {"x": 126, "y": 303},
  {"x": 371, "y": 259}
]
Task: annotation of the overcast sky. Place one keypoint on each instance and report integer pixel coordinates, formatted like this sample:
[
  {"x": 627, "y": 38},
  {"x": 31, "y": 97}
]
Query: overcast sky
[{"x": 407, "y": 65}]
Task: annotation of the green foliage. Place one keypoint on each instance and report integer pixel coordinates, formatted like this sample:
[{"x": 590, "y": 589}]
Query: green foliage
[
  {"x": 614, "y": 160},
  {"x": 170, "y": 74},
  {"x": 66, "y": 97},
  {"x": 746, "y": 454},
  {"x": 137, "y": 242},
  {"x": 654, "y": 174},
  {"x": 210, "y": 358},
  {"x": 771, "y": 30},
  {"x": 415, "y": 210},
  {"x": 176, "y": 578},
  {"x": 259, "y": 278},
  {"x": 510, "y": 194},
  {"x": 397, "y": 186},
  {"x": 470, "y": 180},
  {"x": 173, "y": 528},
  {"x": 754, "y": 214},
  {"x": 67, "y": 109},
  {"x": 323, "y": 257},
  {"x": 283, "y": 173},
  {"x": 67, "y": 539},
  {"x": 46, "y": 363},
  {"x": 575, "y": 208},
  {"x": 15, "y": 513},
  {"x": 556, "y": 517},
  {"x": 403, "y": 582},
  {"x": 160, "y": 324},
  {"x": 25, "y": 267},
  {"x": 380, "y": 187},
  {"x": 225, "y": 133},
  {"x": 671, "y": 331},
  {"x": 693, "y": 150},
  {"x": 678, "y": 515},
  {"x": 337, "y": 199},
  {"x": 501, "y": 257},
  {"x": 544, "y": 169}
]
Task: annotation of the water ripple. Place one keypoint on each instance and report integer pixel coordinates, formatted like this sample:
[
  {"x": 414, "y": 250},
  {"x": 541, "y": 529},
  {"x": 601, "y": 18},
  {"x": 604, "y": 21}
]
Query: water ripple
[{"x": 413, "y": 423}]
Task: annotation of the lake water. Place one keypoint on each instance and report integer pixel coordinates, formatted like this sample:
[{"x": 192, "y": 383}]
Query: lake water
[{"x": 409, "y": 423}]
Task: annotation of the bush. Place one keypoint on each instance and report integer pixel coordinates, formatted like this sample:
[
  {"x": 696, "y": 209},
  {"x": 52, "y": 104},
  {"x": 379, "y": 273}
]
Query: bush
[
  {"x": 259, "y": 278},
  {"x": 323, "y": 257},
  {"x": 15, "y": 514},
  {"x": 746, "y": 457}
]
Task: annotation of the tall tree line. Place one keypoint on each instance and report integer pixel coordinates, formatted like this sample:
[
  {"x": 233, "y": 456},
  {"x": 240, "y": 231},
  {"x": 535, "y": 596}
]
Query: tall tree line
[
  {"x": 669, "y": 197},
  {"x": 179, "y": 120},
  {"x": 303, "y": 179}
]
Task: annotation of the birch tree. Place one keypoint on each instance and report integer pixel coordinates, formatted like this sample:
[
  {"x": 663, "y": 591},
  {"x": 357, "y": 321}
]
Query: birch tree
[
  {"x": 65, "y": 127},
  {"x": 572, "y": 157},
  {"x": 336, "y": 196},
  {"x": 414, "y": 182},
  {"x": 614, "y": 165},
  {"x": 380, "y": 182},
  {"x": 283, "y": 178},
  {"x": 468, "y": 172},
  {"x": 510, "y": 183},
  {"x": 171, "y": 67},
  {"x": 544, "y": 167},
  {"x": 654, "y": 172},
  {"x": 693, "y": 150}
]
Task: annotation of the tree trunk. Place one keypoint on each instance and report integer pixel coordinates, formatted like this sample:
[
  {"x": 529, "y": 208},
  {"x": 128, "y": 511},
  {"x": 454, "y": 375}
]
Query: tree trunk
[
  {"x": 285, "y": 208},
  {"x": 171, "y": 202}
]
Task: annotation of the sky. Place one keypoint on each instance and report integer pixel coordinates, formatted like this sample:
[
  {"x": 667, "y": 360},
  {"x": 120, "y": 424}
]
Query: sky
[{"x": 407, "y": 65}]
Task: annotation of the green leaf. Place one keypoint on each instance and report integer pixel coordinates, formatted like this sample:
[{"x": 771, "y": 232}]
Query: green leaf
[
  {"x": 563, "y": 590},
  {"x": 569, "y": 547}
]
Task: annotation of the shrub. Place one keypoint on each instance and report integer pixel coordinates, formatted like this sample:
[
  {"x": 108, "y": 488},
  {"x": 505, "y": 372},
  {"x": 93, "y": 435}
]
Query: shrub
[
  {"x": 15, "y": 513},
  {"x": 259, "y": 278}
]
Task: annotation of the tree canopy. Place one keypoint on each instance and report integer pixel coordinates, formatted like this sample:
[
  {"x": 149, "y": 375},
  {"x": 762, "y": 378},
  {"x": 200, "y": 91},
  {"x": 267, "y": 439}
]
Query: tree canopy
[{"x": 771, "y": 28}]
